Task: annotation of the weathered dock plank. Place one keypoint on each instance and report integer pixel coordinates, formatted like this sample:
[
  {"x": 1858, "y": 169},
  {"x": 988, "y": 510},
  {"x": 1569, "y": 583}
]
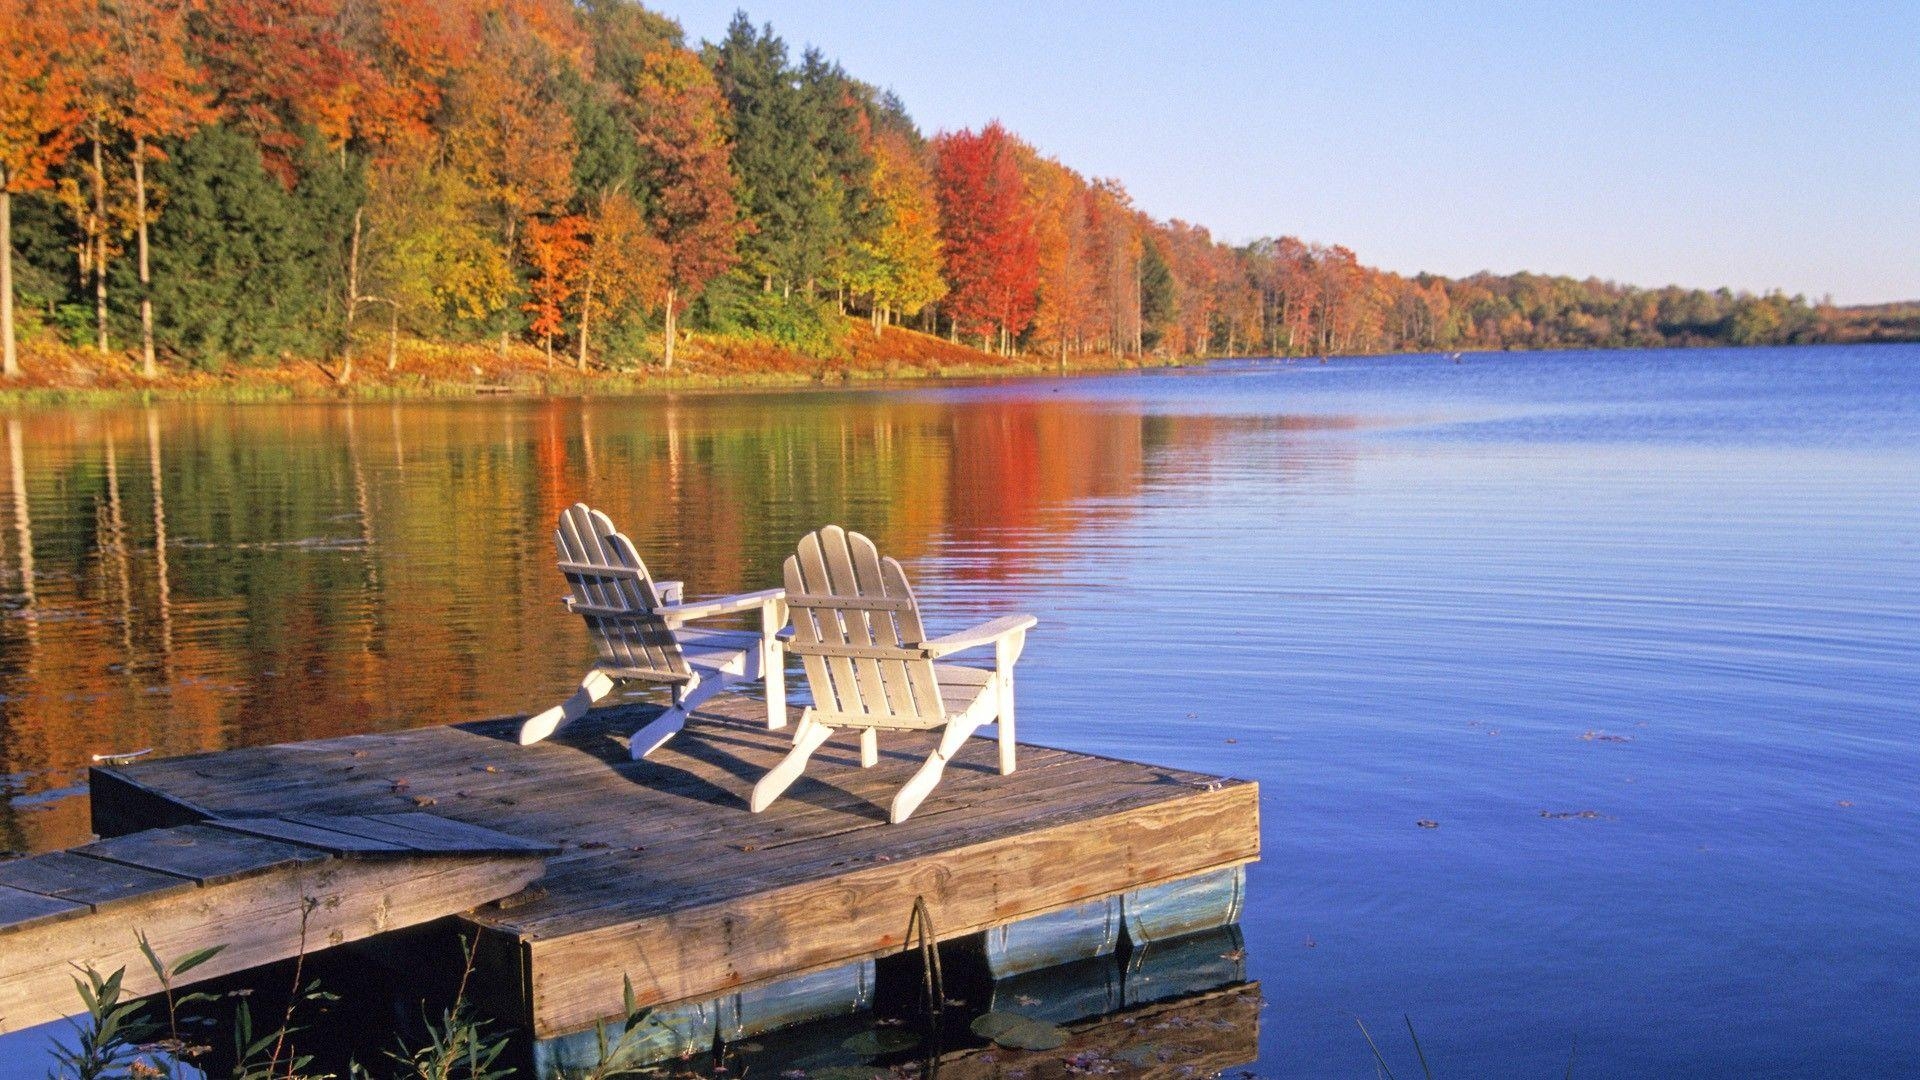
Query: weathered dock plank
[
  {"x": 206, "y": 856},
  {"x": 261, "y": 899},
  {"x": 665, "y": 878}
]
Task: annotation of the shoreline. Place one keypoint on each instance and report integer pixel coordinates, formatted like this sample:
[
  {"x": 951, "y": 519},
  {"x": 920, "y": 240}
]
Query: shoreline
[
  {"x": 69, "y": 376},
  {"x": 66, "y": 376}
]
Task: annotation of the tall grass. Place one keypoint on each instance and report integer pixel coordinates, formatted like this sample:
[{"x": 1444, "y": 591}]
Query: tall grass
[{"x": 170, "y": 1035}]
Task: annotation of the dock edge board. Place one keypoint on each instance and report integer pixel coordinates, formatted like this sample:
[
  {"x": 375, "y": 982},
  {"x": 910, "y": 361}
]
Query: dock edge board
[{"x": 705, "y": 950}]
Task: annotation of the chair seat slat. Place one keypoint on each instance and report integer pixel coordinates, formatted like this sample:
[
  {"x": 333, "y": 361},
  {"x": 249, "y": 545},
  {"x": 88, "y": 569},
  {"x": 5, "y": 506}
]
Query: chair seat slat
[
  {"x": 850, "y": 603},
  {"x": 630, "y": 573},
  {"x": 854, "y": 652}
]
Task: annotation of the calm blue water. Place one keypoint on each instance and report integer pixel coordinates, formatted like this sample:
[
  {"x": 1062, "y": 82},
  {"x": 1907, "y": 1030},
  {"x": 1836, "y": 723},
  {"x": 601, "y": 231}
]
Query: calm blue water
[
  {"x": 1636, "y": 631},
  {"x": 1676, "y": 590}
]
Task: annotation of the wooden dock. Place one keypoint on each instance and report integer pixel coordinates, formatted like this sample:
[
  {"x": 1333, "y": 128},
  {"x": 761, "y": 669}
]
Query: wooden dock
[
  {"x": 663, "y": 876},
  {"x": 263, "y": 890}
]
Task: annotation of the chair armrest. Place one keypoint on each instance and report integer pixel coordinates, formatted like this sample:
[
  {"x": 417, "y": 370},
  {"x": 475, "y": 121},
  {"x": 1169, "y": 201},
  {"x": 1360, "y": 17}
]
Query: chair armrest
[
  {"x": 987, "y": 633},
  {"x": 670, "y": 592},
  {"x": 725, "y": 605}
]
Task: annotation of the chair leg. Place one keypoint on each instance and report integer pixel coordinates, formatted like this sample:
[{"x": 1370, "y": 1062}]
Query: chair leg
[
  {"x": 1006, "y": 723},
  {"x": 1006, "y": 652},
  {"x": 686, "y": 699},
  {"x": 916, "y": 790},
  {"x": 773, "y": 667},
  {"x": 869, "y": 748},
  {"x": 594, "y": 685},
  {"x": 807, "y": 738}
]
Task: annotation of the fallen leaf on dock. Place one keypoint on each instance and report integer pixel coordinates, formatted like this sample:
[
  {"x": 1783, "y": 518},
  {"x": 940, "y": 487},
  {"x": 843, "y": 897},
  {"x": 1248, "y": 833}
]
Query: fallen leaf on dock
[
  {"x": 1425, "y": 824},
  {"x": 424, "y": 800},
  {"x": 1589, "y": 815},
  {"x": 1601, "y": 736}
]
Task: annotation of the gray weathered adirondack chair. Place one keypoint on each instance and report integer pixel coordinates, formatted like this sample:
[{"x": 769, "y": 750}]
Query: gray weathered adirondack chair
[
  {"x": 638, "y": 624},
  {"x": 870, "y": 666}
]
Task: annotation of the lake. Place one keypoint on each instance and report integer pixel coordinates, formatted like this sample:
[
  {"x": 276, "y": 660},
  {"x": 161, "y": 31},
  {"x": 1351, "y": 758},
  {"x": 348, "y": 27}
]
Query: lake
[{"x": 1638, "y": 633}]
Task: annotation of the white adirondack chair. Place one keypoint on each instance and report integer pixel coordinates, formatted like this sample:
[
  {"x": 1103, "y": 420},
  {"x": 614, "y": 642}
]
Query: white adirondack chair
[
  {"x": 639, "y": 626},
  {"x": 870, "y": 665}
]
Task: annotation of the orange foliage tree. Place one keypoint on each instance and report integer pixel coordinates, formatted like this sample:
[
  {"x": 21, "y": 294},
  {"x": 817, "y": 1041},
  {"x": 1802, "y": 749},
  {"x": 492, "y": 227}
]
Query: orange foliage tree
[
  {"x": 682, "y": 123},
  {"x": 619, "y": 260},
  {"x": 1064, "y": 317},
  {"x": 508, "y": 129},
  {"x": 556, "y": 248},
  {"x": 40, "y": 111},
  {"x": 152, "y": 92}
]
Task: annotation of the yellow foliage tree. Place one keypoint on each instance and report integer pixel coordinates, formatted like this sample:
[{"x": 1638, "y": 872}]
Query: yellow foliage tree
[{"x": 899, "y": 267}]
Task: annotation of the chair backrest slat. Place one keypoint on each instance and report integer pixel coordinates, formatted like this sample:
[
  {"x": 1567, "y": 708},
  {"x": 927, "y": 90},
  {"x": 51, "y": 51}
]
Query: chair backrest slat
[
  {"x": 856, "y": 623},
  {"x": 807, "y": 628},
  {"x": 606, "y": 576},
  {"x": 852, "y": 613},
  {"x": 899, "y": 678}
]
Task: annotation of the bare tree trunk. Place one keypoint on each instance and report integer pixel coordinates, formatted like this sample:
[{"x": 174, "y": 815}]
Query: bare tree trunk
[
  {"x": 586, "y": 306},
  {"x": 353, "y": 274},
  {"x": 99, "y": 240},
  {"x": 149, "y": 366},
  {"x": 393, "y": 337},
  {"x": 10, "y": 367},
  {"x": 666, "y": 361},
  {"x": 1139, "y": 306}
]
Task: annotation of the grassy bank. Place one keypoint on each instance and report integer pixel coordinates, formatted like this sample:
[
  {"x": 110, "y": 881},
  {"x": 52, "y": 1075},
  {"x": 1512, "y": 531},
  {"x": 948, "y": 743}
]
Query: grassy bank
[{"x": 56, "y": 374}]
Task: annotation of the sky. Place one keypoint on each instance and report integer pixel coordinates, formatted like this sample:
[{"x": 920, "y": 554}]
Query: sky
[{"x": 1752, "y": 145}]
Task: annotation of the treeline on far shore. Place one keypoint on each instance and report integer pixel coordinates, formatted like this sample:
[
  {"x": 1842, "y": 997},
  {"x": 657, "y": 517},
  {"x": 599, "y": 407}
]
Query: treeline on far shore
[{"x": 191, "y": 185}]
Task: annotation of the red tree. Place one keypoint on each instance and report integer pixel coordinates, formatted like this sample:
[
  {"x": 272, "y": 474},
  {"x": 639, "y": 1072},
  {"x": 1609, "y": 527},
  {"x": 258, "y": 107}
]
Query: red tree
[{"x": 992, "y": 255}]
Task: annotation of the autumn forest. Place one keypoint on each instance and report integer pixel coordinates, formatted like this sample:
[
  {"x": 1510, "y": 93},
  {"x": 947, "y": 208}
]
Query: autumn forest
[{"x": 225, "y": 185}]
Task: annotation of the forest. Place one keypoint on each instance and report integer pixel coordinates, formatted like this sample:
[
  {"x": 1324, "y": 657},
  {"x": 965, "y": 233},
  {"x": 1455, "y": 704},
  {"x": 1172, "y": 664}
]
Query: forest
[{"x": 198, "y": 185}]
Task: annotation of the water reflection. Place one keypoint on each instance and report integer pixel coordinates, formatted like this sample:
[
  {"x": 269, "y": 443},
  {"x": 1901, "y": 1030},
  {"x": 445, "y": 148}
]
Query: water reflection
[
  {"x": 189, "y": 578},
  {"x": 1636, "y": 632}
]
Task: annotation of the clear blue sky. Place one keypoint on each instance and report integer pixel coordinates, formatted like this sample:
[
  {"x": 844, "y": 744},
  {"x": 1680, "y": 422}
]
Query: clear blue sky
[{"x": 1754, "y": 145}]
